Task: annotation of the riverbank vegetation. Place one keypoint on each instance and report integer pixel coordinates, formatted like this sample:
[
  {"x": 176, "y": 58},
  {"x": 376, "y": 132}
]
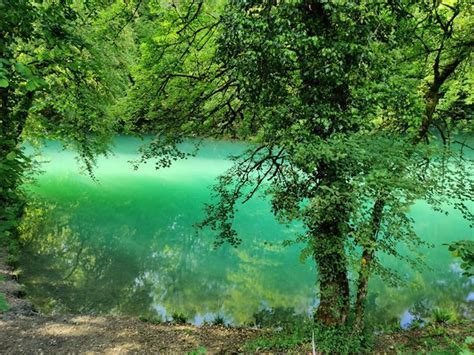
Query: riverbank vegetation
[
  {"x": 352, "y": 111},
  {"x": 108, "y": 334}
]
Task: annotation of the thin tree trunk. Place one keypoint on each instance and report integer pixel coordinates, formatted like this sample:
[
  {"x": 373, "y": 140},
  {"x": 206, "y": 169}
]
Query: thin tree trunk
[
  {"x": 432, "y": 98},
  {"x": 368, "y": 254}
]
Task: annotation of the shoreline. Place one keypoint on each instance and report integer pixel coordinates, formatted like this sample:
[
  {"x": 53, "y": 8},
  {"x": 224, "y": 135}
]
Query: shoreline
[
  {"x": 24, "y": 330},
  {"x": 12, "y": 290}
]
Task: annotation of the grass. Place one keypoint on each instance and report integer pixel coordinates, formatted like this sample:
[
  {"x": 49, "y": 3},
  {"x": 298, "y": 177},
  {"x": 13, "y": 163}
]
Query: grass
[
  {"x": 3, "y": 303},
  {"x": 443, "y": 316},
  {"x": 298, "y": 338},
  {"x": 150, "y": 318},
  {"x": 437, "y": 337},
  {"x": 198, "y": 351},
  {"x": 434, "y": 338},
  {"x": 179, "y": 318},
  {"x": 277, "y": 342},
  {"x": 218, "y": 320}
]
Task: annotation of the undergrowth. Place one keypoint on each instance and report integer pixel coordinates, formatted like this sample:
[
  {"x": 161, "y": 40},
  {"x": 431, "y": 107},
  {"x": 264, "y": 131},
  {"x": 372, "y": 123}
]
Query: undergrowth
[
  {"x": 299, "y": 337},
  {"x": 441, "y": 333},
  {"x": 3, "y": 303}
]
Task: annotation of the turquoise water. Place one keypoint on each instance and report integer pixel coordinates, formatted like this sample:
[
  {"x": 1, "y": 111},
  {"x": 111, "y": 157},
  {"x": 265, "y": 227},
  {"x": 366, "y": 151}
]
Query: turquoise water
[{"x": 126, "y": 244}]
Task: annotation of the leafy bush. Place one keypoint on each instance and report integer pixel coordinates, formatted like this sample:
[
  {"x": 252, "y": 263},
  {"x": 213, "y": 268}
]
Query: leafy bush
[
  {"x": 218, "y": 320},
  {"x": 441, "y": 315},
  {"x": 299, "y": 336},
  {"x": 464, "y": 249},
  {"x": 150, "y": 318},
  {"x": 179, "y": 318}
]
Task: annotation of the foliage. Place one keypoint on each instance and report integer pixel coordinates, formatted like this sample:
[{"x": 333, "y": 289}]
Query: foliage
[
  {"x": 150, "y": 318},
  {"x": 218, "y": 320},
  {"x": 198, "y": 351},
  {"x": 3, "y": 303},
  {"x": 56, "y": 83},
  {"x": 57, "y": 51},
  {"x": 12, "y": 202},
  {"x": 464, "y": 249},
  {"x": 441, "y": 315},
  {"x": 445, "y": 339},
  {"x": 338, "y": 99},
  {"x": 298, "y": 336},
  {"x": 292, "y": 336},
  {"x": 437, "y": 338},
  {"x": 179, "y": 318}
]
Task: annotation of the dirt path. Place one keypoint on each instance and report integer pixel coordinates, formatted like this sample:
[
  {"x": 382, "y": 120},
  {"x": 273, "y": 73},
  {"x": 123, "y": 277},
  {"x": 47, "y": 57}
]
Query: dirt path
[{"x": 79, "y": 334}]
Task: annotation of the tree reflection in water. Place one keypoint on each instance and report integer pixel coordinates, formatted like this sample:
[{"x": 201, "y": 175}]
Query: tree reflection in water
[{"x": 128, "y": 246}]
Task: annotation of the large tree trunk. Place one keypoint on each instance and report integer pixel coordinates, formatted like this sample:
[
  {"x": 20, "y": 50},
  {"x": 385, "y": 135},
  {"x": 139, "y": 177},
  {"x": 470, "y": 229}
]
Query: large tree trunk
[{"x": 334, "y": 306}]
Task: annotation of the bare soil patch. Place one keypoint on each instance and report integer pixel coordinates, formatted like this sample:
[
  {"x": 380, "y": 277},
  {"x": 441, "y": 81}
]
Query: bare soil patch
[{"x": 93, "y": 334}]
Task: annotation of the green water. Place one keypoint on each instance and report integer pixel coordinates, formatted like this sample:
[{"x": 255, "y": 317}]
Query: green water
[{"x": 126, "y": 245}]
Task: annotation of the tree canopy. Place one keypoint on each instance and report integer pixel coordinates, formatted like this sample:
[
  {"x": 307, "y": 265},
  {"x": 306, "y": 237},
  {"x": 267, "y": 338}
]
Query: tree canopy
[
  {"x": 339, "y": 100},
  {"x": 61, "y": 71},
  {"x": 352, "y": 110}
]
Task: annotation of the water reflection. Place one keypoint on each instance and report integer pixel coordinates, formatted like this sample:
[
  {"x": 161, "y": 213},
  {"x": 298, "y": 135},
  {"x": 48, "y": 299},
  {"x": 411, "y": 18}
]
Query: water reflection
[{"x": 128, "y": 246}]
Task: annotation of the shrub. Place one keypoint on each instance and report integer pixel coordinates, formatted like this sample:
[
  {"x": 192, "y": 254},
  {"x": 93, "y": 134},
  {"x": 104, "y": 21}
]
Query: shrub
[
  {"x": 150, "y": 318},
  {"x": 3, "y": 303},
  {"x": 179, "y": 318},
  {"x": 441, "y": 315},
  {"x": 218, "y": 320}
]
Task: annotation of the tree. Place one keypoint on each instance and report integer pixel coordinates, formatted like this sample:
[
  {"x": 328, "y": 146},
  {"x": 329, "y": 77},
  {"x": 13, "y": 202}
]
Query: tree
[
  {"x": 331, "y": 96},
  {"x": 437, "y": 60},
  {"x": 56, "y": 82},
  {"x": 263, "y": 87}
]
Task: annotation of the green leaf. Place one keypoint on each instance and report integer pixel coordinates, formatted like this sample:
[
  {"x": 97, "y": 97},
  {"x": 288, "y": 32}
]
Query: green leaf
[
  {"x": 31, "y": 85},
  {"x": 3, "y": 83},
  {"x": 469, "y": 340},
  {"x": 23, "y": 70},
  {"x": 11, "y": 156}
]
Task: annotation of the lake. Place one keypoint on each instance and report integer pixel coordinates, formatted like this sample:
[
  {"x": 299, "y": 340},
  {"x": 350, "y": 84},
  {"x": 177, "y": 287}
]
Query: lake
[{"x": 125, "y": 244}]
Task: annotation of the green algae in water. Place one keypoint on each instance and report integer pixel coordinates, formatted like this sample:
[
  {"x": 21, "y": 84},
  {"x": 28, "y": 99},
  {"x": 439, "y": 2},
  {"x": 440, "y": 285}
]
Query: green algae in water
[{"x": 126, "y": 245}]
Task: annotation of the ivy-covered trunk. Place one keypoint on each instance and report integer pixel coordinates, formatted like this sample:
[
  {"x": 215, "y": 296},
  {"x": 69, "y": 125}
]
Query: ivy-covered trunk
[
  {"x": 334, "y": 305},
  {"x": 368, "y": 254}
]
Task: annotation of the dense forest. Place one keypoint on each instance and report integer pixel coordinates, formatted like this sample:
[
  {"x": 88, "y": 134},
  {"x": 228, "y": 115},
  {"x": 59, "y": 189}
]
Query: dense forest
[{"x": 351, "y": 111}]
